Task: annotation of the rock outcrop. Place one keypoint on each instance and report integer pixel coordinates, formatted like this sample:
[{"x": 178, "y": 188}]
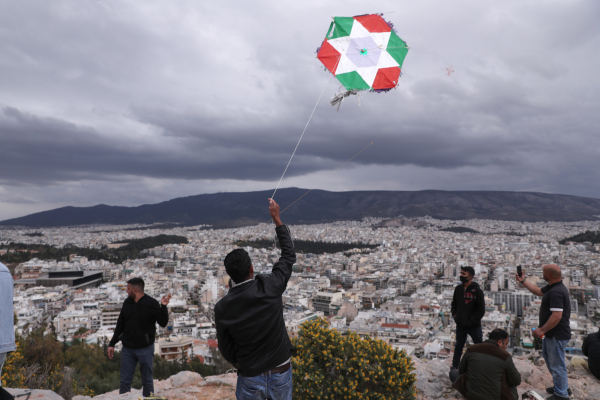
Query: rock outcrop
[
  {"x": 27, "y": 394},
  {"x": 432, "y": 383},
  {"x": 185, "y": 385}
]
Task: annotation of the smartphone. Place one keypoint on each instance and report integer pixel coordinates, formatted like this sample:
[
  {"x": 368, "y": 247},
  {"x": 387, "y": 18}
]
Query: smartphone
[{"x": 519, "y": 270}]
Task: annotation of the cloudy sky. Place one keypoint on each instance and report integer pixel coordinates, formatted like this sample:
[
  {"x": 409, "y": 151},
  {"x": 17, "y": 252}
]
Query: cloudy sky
[{"x": 133, "y": 102}]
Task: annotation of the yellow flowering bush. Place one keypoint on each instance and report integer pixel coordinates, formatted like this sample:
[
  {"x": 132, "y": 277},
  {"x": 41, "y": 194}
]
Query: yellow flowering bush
[
  {"x": 330, "y": 366},
  {"x": 12, "y": 373}
]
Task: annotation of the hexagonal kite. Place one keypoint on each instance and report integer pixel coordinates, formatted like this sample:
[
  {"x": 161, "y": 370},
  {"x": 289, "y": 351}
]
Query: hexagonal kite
[{"x": 363, "y": 52}]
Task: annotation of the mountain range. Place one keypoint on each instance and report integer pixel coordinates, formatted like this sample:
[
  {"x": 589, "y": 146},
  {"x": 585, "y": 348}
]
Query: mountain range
[{"x": 229, "y": 209}]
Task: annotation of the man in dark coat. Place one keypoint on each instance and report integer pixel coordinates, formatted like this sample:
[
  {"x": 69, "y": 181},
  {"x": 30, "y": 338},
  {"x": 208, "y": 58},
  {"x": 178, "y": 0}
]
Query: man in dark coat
[
  {"x": 249, "y": 321},
  {"x": 488, "y": 371},
  {"x": 591, "y": 349},
  {"x": 468, "y": 308},
  {"x": 135, "y": 329}
]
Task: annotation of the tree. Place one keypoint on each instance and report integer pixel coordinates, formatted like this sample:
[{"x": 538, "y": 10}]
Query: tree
[
  {"x": 331, "y": 366},
  {"x": 81, "y": 331},
  {"x": 38, "y": 363}
]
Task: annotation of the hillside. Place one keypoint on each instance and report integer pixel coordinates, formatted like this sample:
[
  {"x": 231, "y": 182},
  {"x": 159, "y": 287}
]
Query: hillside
[
  {"x": 132, "y": 249},
  {"x": 432, "y": 383},
  {"x": 587, "y": 236},
  {"x": 320, "y": 206}
]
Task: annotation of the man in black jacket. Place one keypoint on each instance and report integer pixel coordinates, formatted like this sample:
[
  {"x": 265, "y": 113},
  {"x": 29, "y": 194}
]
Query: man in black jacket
[
  {"x": 591, "y": 349},
  {"x": 250, "y": 328},
  {"x": 468, "y": 308},
  {"x": 135, "y": 328}
]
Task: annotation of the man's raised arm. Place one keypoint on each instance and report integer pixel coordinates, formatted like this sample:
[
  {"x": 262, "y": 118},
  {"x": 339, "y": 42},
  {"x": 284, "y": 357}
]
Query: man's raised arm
[
  {"x": 282, "y": 270},
  {"x": 530, "y": 286}
]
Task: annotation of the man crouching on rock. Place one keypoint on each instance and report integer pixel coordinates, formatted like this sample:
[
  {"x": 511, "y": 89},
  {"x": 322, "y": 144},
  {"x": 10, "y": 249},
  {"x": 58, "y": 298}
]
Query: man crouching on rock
[
  {"x": 249, "y": 321},
  {"x": 488, "y": 371}
]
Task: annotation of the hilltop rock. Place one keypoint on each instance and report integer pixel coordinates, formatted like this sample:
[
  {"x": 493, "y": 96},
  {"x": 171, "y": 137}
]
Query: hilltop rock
[
  {"x": 186, "y": 385},
  {"x": 35, "y": 394},
  {"x": 433, "y": 381},
  {"x": 185, "y": 378}
]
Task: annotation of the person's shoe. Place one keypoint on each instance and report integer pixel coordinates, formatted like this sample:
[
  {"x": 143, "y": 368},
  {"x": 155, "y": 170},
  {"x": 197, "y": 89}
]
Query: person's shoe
[
  {"x": 551, "y": 391},
  {"x": 556, "y": 397}
]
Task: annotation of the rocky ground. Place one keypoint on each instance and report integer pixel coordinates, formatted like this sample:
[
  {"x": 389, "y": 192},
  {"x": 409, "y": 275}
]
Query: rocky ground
[
  {"x": 185, "y": 385},
  {"x": 432, "y": 383}
]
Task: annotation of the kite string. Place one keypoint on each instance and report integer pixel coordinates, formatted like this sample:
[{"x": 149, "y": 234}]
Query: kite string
[
  {"x": 309, "y": 118},
  {"x": 239, "y": 242},
  {"x": 301, "y": 136},
  {"x": 337, "y": 169}
]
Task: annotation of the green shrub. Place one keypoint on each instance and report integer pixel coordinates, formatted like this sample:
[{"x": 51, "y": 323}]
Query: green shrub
[{"x": 328, "y": 366}]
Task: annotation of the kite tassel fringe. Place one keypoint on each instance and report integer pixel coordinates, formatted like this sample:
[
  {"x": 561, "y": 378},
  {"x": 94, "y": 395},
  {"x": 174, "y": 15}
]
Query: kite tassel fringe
[{"x": 339, "y": 97}]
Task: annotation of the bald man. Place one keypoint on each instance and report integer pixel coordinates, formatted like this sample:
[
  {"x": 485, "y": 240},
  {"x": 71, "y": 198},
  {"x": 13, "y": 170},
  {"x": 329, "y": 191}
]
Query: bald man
[{"x": 555, "y": 312}]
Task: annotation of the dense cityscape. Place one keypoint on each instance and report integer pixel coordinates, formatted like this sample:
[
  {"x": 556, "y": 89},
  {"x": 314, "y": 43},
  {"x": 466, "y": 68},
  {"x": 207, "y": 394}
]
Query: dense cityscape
[{"x": 395, "y": 283}]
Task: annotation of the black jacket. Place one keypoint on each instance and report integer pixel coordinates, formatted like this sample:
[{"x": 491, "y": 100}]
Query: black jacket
[
  {"x": 488, "y": 372},
  {"x": 468, "y": 307},
  {"x": 137, "y": 322},
  {"x": 249, "y": 319},
  {"x": 591, "y": 349}
]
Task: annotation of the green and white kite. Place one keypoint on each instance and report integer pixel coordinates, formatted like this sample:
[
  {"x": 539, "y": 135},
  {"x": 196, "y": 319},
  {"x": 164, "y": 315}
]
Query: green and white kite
[{"x": 363, "y": 53}]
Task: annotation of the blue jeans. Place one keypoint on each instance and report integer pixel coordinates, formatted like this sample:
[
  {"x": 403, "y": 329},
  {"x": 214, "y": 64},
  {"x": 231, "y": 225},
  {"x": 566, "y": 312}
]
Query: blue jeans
[
  {"x": 461, "y": 338},
  {"x": 274, "y": 387},
  {"x": 2, "y": 359},
  {"x": 554, "y": 355},
  {"x": 129, "y": 359}
]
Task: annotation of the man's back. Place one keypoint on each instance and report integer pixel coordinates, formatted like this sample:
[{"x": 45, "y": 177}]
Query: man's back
[
  {"x": 491, "y": 372},
  {"x": 250, "y": 326}
]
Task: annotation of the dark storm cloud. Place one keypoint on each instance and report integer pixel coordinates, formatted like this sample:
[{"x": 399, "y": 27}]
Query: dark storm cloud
[
  {"x": 123, "y": 93},
  {"x": 46, "y": 150}
]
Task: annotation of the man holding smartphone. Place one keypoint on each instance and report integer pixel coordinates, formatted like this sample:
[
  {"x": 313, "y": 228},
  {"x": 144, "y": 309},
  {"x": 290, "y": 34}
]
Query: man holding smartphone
[{"x": 555, "y": 313}]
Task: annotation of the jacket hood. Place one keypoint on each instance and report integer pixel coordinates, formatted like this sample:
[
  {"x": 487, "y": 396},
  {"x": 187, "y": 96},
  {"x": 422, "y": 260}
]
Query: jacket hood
[{"x": 473, "y": 285}]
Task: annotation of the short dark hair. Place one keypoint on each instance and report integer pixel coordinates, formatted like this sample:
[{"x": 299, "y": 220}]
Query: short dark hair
[
  {"x": 237, "y": 264},
  {"x": 137, "y": 283},
  {"x": 498, "y": 334},
  {"x": 469, "y": 270}
]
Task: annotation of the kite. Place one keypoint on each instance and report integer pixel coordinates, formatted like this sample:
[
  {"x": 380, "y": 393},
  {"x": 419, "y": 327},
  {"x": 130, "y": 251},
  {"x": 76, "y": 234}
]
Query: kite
[
  {"x": 363, "y": 53},
  {"x": 449, "y": 70}
]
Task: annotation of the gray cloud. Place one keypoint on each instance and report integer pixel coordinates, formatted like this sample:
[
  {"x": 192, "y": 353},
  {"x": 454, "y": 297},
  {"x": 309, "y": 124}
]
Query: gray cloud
[{"x": 175, "y": 99}]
